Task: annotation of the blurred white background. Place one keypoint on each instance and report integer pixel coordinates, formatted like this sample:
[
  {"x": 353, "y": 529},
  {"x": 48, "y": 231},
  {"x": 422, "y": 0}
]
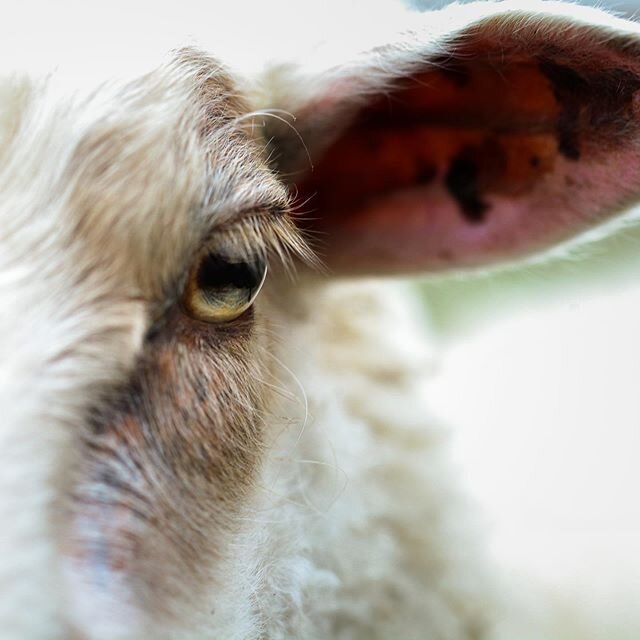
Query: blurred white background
[{"x": 546, "y": 415}]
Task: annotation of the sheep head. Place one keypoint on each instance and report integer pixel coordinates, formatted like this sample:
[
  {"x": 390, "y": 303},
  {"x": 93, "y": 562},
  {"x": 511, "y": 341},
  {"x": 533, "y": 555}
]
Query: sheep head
[{"x": 138, "y": 220}]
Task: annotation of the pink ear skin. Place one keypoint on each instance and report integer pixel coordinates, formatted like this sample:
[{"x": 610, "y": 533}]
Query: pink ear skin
[{"x": 499, "y": 149}]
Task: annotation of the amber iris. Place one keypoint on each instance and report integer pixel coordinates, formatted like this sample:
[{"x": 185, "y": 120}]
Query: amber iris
[{"x": 221, "y": 287}]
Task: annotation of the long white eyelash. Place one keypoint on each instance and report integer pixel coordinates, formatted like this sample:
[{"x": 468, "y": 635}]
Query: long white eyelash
[{"x": 270, "y": 238}]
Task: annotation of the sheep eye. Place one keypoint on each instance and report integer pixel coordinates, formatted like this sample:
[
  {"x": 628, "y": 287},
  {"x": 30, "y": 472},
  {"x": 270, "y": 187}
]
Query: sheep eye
[{"x": 221, "y": 287}]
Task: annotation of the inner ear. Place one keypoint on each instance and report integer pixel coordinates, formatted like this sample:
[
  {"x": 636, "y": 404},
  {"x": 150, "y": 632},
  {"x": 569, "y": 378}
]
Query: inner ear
[
  {"x": 478, "y": 124},
  {"x": 489, "y": 126}
]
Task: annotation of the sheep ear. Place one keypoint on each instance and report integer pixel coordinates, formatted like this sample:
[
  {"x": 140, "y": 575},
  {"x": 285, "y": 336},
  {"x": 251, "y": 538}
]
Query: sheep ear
[{"x": 508, "y": 132}]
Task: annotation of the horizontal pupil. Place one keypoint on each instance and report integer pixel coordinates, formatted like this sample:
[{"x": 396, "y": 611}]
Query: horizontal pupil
[{"x": 216, "y": 272}]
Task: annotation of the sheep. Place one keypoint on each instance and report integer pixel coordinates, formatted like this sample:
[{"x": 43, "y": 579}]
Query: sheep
[{"x": 212, "y": 420}]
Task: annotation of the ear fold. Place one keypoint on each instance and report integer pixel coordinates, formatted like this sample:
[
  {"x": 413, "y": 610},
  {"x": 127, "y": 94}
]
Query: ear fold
[{"x": 495, "y": 133}]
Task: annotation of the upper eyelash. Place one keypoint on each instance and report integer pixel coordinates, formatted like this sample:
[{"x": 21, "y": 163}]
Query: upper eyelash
[{"x": 268, "y": 237}]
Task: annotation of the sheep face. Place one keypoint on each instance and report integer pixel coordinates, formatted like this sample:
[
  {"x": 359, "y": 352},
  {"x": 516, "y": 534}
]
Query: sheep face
[
  {"x": 115, "y": 207},
  {"x": 140, "y": 382}
]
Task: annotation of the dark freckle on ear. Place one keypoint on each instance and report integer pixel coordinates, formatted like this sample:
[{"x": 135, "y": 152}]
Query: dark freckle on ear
[
  {"x": 534, "y": 161},
  {"x": 565, "y": 81},
  {"x": 568, "y": 138},
  {"x": 445, "y": 255},
  {"x": 569, "y": 88},
  {"x": 462, "y": 183},
  {"x": 597, "y": 102}
]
